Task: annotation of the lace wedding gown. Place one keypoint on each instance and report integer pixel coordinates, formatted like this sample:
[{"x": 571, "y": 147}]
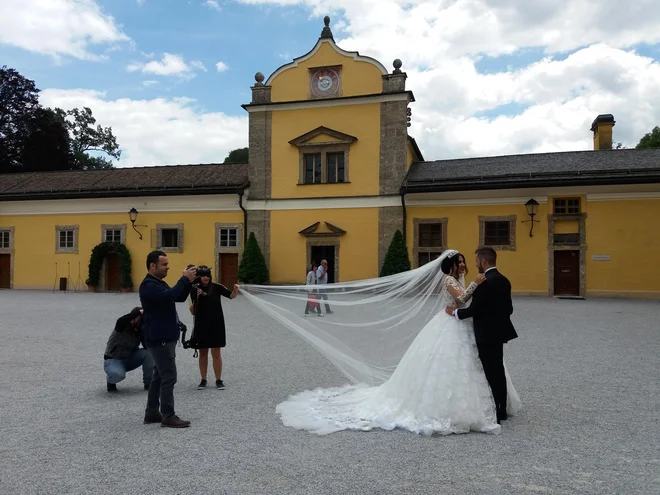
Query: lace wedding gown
[{"x": 438, "y": 387}]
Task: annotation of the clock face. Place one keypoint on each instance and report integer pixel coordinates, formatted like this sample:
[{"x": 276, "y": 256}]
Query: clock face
[{"x": 325, "y": 82}]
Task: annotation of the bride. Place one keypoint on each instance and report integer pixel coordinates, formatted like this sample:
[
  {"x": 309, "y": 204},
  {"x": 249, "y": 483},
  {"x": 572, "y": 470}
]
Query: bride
[{"x": 437, "y": 387}]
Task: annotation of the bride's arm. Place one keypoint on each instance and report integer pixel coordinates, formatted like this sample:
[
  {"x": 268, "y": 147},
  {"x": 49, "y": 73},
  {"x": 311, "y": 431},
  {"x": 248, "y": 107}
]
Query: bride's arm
[{"x": 457, "y": 291}]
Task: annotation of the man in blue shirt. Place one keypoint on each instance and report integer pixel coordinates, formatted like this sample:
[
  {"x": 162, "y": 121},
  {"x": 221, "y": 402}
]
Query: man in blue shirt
[
  {"x": 161, "y": 336},
  {"x": 322, "y": 276}
]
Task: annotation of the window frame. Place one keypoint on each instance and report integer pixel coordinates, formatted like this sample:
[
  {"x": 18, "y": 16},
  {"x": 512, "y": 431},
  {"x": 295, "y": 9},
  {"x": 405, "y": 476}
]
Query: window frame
[
  {"x": 157, "y": 237},
  {"x": 66, "y": 228},
  {"x": 565, "y": 203},
  {"x": 429, "y": 250},
  {"x": 108, "y": 227},
  {"x": 511, "y": 219}
]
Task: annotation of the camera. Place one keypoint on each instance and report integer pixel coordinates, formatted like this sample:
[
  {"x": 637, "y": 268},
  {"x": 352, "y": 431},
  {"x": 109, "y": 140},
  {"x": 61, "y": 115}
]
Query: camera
[{"x": 202, "y": 271}]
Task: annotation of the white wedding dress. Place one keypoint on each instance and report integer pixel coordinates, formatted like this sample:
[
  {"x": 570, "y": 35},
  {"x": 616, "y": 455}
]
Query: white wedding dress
[{"x": 438, "y": 387}]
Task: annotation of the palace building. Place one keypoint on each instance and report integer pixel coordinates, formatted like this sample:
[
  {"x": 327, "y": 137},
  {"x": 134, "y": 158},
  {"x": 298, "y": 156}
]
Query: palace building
[{"x": 333, "y": 174}]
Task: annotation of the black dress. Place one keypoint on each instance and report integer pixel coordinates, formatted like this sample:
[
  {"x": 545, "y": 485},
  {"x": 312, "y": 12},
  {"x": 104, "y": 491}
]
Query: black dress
[{"x": 209, "y": 328}]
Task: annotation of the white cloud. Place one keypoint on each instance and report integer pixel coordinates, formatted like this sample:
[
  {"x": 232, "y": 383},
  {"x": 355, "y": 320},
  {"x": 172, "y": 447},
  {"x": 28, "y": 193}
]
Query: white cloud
[
  {"x": 213, "y": 4},
  {"x": 441, "y": 41},
  {"x": 158, "y": 131},
  {"x": 58, "y": 27},
  {"x": 170, "y": 65},
  {"x": 221, "y": 66},
  {"x": 147, "y": 84}
]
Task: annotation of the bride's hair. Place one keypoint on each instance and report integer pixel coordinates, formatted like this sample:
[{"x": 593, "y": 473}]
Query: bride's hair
[{"x": 449, "y": 265}]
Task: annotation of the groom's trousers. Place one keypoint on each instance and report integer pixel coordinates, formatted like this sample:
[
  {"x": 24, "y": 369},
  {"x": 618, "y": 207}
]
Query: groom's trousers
[{"x": 492, "y": 358}]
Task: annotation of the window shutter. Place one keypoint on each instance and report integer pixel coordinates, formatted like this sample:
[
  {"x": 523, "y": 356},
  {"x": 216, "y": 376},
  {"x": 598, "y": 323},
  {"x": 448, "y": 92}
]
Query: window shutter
[{"x": 154, "y": 239}]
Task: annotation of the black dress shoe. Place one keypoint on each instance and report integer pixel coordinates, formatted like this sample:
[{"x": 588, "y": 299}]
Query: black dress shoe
[
  {"x": 112, "y": 387},
  {"x": 153, "y": 418}
]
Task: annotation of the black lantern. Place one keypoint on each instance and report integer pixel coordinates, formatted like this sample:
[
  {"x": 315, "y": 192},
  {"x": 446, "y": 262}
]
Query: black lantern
[
  {"x": 532, "y": 208},
  {"x": 132, "y": 214}
]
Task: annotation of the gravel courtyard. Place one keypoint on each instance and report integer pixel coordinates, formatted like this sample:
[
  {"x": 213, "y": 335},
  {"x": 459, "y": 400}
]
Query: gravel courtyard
[{"x": 588, "y": 373}]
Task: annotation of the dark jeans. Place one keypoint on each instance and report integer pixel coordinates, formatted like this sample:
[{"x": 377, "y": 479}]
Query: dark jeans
[
  {"x": 161, "y": 390},
  {"x": 322, "y": 295},
  {"x": 492, "y": 358}
]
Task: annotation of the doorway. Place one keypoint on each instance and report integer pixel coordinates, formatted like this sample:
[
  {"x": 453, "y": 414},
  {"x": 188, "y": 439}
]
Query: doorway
[
  {"x": 325, "y": 253},
  {"x": 567, "y": 273},
  {"x": 112, "y": 273},
  {"x": 228, "y": 263},
  {"x": 5, "y": 271}
]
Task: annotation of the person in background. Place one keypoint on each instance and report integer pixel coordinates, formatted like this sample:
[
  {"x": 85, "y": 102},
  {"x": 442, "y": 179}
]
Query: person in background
[
  {"x": 322, "y": 276},
  {"x": 312, "y": 303},
  {"x": 209, "y": 330},
  {"x": 123, "y": 352}
]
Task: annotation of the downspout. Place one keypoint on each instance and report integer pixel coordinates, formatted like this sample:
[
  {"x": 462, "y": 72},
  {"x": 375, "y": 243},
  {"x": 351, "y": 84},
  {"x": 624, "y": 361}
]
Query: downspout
[
  {"x": 241, "y": 191},
  {"x": 403, "y": 206}
]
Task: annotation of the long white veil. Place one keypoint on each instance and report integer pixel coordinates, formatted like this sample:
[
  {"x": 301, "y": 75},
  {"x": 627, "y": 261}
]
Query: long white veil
[{"x": 373, "y": 321}]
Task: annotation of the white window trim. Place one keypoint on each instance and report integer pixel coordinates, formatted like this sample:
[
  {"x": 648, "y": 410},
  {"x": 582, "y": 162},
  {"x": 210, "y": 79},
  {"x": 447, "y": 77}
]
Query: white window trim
[
  {"x": 120, "y": 227},
  {"x": 64, "y": 250}
]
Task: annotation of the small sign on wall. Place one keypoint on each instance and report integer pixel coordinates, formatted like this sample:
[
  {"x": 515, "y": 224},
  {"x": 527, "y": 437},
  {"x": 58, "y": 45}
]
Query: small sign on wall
[{"x": 600, "y": 257}]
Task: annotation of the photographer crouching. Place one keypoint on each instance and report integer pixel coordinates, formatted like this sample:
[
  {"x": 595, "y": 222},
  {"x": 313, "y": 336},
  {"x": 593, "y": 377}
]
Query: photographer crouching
[
  {"x": 209, "y": 329},
  {"x": 123, "y": 353}
]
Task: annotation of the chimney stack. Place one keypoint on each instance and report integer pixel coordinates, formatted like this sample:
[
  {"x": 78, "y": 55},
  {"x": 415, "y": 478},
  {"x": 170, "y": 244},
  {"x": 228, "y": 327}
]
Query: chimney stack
[{"x": 602, "y": 129}]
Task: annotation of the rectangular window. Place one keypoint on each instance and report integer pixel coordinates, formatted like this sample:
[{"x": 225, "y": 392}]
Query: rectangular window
[
  {"x": 5, "y": 239},
  {"x": 497, "y": 233},
  {"x": 567, "y": 206},
  {"x": 313, "y": 168},
  {"x": 335, "y": 167},
  {"x": 113, "y": 235},
  {"x": 424, "y": 258},
  {"x": 566, "y": 238},
  {"x": 170, "y": 238},
  {"x": 430, "y": 235},
  {"x": 66, "y": 239},
  {"x": 228, "y": 237}
]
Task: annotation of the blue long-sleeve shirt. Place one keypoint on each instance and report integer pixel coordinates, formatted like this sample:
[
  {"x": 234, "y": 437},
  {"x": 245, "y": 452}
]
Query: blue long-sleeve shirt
[{"x": 158, "y": 302}]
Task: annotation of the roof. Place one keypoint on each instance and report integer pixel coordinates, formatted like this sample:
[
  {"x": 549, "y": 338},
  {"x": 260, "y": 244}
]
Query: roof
[
  {"x": 568, "y": 168},
  {"x": 168, "y": 180}
]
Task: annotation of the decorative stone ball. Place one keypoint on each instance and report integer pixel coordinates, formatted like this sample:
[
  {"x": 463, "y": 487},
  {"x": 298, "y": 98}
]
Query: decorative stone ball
[
  {"x": 397, "y": 64},
  {"x": 259, "y": 77}
]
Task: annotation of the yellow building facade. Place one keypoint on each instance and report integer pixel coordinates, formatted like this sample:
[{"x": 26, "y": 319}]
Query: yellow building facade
[{"x": 333, "y": 174}]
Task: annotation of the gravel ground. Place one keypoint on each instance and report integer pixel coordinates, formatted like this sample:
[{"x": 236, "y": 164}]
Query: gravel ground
[{"x": 587, "y": 372}]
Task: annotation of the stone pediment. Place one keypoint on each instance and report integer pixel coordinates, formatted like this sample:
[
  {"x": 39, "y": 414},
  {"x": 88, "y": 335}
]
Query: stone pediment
[
  {"x": 328, "y": 230},
  {"x": 321, "y": 136}
]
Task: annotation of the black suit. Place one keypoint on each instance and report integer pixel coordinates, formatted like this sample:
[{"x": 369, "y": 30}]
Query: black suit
[{"x": 491, "y": 309}]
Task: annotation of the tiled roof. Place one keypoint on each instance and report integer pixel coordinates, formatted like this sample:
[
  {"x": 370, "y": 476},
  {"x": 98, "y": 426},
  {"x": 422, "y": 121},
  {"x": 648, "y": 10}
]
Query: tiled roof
[
  {"x": 625, "y": 166},
  {"x": 117, "y": 182}
]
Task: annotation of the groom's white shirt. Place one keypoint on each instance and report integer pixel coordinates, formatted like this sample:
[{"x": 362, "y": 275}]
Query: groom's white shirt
[{"x": 455, "y": 312}]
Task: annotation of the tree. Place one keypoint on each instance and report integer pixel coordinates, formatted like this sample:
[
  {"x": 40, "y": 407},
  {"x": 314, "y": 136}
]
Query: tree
[
  {"x": 238, "y": 156},
  {"x": 48, "y": 146},
  {"x": 18, "y": 103},
  {"x": 85, "y": 138},
  {"x": 396, "y": 259},
  {"x": 253, "y": 269},
  {"x": 650, "y": 139}
]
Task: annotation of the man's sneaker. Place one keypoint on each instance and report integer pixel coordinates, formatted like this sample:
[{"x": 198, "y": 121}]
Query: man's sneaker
[
  {"x": 153, "y": 418},
  {"x": 112, "y": 387},
  {"x": 219, "y": 384},
  {"x": 202, "y": 385},
  {"x": 174, "y": 422},
  {"x": 320, "y": 314}
]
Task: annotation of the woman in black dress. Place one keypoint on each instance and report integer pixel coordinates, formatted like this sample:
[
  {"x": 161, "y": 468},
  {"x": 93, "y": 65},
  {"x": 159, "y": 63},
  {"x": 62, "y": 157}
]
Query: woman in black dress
[{"x": 209, "y": 329}]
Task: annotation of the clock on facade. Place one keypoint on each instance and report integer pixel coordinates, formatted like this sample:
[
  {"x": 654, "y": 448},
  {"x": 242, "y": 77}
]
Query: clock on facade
[{"x": 325, "y": 82}]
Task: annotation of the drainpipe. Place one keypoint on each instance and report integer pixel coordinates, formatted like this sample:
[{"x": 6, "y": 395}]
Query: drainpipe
[
  {"x": 403, "y": 206},
  {"x": 245, "y": 216}
]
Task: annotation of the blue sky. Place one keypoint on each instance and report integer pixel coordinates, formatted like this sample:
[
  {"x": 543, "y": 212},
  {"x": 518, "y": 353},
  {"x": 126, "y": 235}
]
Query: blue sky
[{"x": 490, "y": 76}]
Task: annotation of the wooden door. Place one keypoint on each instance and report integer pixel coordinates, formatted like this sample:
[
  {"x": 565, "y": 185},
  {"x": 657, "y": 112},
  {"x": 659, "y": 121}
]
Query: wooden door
[
  {"x": 5, "y": 271},
  {"x": 228, "y": 269},
  {"x": 112, "y": 273},
  {"x": 567, "y": 273}
]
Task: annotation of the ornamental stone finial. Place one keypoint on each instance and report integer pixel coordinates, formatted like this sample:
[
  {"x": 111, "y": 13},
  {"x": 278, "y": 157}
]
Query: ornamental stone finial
[
  {"x": 259, "y": 77},
  {"x": 326, "y": 33},
  {"x": 397, "y": 66}
]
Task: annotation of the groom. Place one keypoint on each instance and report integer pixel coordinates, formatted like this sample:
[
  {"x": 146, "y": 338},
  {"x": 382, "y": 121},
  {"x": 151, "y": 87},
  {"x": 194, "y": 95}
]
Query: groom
[{"x": 491, "y": 309}]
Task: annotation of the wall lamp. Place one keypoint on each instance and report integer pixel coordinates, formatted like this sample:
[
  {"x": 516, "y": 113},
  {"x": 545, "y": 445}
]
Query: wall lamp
[
  {"x": 532, "y": 207},
  {"x": 133, "y": 216}
]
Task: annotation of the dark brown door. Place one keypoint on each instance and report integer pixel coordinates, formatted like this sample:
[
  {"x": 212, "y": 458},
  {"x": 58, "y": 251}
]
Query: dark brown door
[
  {"x": 567, "y": 273},
  {"x": 229, "y": 270},
  {"x": 5, "y": 271},
  {"x": 112, "y": 273}
]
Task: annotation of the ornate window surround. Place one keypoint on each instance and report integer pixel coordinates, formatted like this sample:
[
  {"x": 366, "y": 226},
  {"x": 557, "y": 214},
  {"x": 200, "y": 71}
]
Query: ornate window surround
[
  {"x": 340, "y": 144},
  {"x": 512, "y": 219},
  {"x": 157, "y": 237},
  {"x": 416, "y": 247}
]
